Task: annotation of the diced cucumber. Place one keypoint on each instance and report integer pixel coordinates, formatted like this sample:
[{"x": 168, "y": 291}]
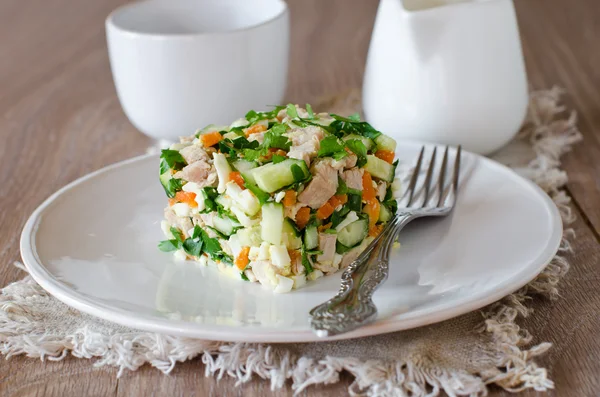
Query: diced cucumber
[
  {"x": 211, "y": 128},
  {"x": 245, "y": 168},
  {"x": 164, "y": 179},
  {"x": 354, "y": 233},
  {"x": 231, "y": 135},
  {"x": 224, "y": 201},
  {"x": 250, "y": 236},
  {"x": 289, "y": 228},
  {"x": 351, "y": 217},
  {"x": 290, "y": 236},
  {"x": 385, "y": 142},
  {"x": 225, "y": 225},
  {"x": 271, "y": 177},
  {"x": 384, "y": 213},
  {"x": 239, "y": 123},
  {"x": 368, "y": 142},
  {"x": 271, "y": 225},
  {"x": 311, "y": 237},
  {"x": 244, "y": 165},
  {"x": 223, "y": 170},
  {"x": 379, "y": 168}
]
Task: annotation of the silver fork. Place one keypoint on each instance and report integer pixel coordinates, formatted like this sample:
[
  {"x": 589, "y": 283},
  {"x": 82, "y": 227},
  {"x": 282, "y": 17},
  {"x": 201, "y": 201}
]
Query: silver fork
[{"x": 353, "y": 306}]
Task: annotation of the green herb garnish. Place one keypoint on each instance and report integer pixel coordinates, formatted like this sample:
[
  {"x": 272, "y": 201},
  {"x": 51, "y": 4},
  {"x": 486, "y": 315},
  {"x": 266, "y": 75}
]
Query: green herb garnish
[
  {"x": 352, "y": 125},
  {"x": 253, "y": 116},
  {"x": 297, "y": 173},
  {"x": 358, "y": 147},
  {"x": 171, "y": 159},
  {"x": 277, "y": 158},
  {"x": 311, "y": 114},
  {"x": 305, "y": 262},
  {"x": 330, "y": 146},
  {"x": 172, "y": 186},
  {"x": 168, "y": 245},
  {"x": 292, "y": 111}
]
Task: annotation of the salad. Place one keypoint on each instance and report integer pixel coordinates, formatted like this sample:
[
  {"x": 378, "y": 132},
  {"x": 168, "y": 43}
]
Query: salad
[{"x": 280, "y": 197}]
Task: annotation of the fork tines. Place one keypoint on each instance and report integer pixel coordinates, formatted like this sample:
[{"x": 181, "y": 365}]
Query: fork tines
[{"x": 432, "y": 190}]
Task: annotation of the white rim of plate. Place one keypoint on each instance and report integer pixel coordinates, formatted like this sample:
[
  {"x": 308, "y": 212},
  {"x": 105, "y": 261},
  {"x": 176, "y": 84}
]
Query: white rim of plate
[{"x": 151, "y": 323}]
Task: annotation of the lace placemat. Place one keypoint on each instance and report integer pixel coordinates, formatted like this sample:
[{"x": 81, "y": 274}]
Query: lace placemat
[{"x": 461, "y": 356}]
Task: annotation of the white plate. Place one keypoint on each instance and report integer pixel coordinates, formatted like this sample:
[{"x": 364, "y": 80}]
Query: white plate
[{"x": 93, "y": 246}]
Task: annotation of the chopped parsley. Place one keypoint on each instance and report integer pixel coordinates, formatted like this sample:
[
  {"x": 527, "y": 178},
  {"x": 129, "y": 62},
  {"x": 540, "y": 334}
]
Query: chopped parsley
[
  {"x": 274, "y": 138},
  {"x": 358, "y": 147},
  {"x": 311, "y": 114},
  {"x": 172, "y": 186},
  {"x": 277, "y": 158},
  {"x": 342, "y": 187},
  {"x": 352, "y": 125},
  {"x": 292, "y": 111},
  {"x": 168, "y": 245},
  {"x": 331, "y": 147},
  {"x": 171, "y": 159},
  {"x": 254, "y": 116},
  {"x": 305, "y": 261},
  {"x": 297, "y": 173},
  {"x": 354, "y": 202}
]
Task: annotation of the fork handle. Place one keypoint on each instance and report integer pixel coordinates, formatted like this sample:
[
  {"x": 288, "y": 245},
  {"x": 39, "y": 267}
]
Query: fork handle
[{"x": 353, "y": 306}]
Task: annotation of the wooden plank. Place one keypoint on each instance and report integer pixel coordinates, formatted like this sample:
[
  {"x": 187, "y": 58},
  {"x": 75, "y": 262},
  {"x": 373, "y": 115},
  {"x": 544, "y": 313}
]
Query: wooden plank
[
  {"x": 26, "y": 377},
  {"x": 561, "y": 45}
]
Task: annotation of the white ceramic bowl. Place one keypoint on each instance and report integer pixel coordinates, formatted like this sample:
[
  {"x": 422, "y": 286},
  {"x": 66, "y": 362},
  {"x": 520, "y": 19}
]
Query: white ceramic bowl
[{"x": 182, "y": 64}]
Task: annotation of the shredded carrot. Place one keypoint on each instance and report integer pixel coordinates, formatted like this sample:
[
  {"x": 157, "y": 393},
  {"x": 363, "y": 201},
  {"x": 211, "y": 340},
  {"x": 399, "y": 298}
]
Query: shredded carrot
[
  {"x": 339, "y": 199},
  {"x": 172, "y": 202},
  {"x": 325, "y": 211},
  {"x": 242, "y": 260},
  {"x": 276, "y": 151},
  {"x": 325, "y": 227},
  {"x": 372, "y": 209},
  {"x": 369, "y": 194},
  {"x": 186, "y": 197},
  {"x": 374, "y": 231},
  {"x": 386, "y": 155},
  {"x": 290, "y": 198},
  {"x": 210, "y": 139},
  {"x": 302, "y": 217},
  {"x": 237, "y": 178},
  {"x": 255, "y": 129},
  {"x": 294, "y": 255}
]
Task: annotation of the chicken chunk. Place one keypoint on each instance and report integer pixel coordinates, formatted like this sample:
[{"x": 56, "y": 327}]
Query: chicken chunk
[
  {"x": 323, "y": 185},
  {"x": 327, "y": 246},
  {"x": 353, "y": 178},
  {"x": 259, "y": 136},
  {"x": 200, "y": 172},
  {"x": 193, "y": 153},
  {"x": 183, "y": 223},
  {"x": 305, "y": 143}
]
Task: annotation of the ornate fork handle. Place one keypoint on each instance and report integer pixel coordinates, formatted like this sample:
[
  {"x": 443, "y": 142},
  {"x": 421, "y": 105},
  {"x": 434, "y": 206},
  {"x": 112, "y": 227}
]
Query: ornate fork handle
[{"x": 353, "y": 306}]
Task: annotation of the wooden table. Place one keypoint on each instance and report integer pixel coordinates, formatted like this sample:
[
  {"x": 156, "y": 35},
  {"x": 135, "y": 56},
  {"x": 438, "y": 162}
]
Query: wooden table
[{"x": 60, "y": 119}]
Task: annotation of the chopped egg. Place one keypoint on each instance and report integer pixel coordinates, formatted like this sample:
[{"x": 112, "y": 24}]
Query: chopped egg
[
  {"x": 279, "y": 256},
  {"x": 264, "y": 251},
  {"x": 284, "y": 284},
  {"x": 180, "y": 255},
  {"x": 299, "y": 280},
  {"x": 315, "y": 275},
  {"x": 279, "y": 196}
]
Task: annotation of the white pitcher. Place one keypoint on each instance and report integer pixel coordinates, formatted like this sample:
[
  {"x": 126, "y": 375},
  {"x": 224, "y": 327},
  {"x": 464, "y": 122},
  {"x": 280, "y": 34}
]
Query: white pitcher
[{"x": 446, "y": 71}]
